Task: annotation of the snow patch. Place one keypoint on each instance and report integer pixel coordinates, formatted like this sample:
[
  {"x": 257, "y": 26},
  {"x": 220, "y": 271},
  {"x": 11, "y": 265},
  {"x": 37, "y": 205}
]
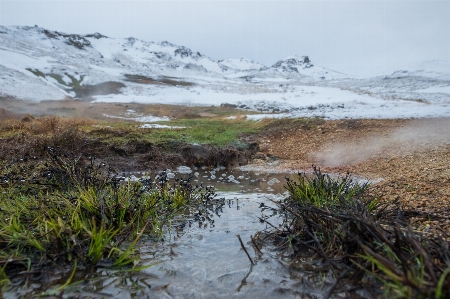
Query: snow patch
[
  {"x": 143, "y": 118},
  {"x": 157, "y": 126}
]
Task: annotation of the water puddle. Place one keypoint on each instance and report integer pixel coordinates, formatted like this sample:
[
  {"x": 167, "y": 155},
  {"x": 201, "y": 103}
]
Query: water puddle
[{"x": 202, "y": 257}]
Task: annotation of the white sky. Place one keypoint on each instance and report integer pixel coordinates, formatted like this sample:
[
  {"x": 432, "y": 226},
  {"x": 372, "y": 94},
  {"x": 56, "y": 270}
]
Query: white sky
[{"x": 355, "y": 37}]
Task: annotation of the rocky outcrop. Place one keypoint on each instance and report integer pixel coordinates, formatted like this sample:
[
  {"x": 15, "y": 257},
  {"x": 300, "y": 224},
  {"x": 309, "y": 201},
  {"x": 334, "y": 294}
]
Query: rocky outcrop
[{"x": 293, "y": 64}]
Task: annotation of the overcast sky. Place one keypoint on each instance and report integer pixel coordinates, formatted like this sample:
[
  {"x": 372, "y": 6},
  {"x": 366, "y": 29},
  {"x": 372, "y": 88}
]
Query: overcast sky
[{"x": 355, "y": 37}]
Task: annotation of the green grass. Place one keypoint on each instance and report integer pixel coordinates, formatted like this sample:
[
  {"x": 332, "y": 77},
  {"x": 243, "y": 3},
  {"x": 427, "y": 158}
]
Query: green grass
[
  {"x": 66, "y": 212},
  {"x": 361, "y": 240},
  {"x": 36, "y": 72},
  {"x": 211, "y": 131},
  {"x": 75, "y": 85},
  {"x": 216, "y": 132},
  {"x": 207, "y": 131},
  {"x": 321, "y": 190},
  {"x": 58, "y": 78}
]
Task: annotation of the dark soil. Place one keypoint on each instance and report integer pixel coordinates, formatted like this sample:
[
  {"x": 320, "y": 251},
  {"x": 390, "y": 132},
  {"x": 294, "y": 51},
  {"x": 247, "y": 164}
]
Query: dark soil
[
  {"x": 105, "y": 88},
  {"x": 136, "y": 155}
]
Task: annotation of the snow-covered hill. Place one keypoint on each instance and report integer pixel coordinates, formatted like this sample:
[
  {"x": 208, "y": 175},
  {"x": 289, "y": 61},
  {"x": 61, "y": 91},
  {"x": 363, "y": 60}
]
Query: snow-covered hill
[
  {"x": 434, "y": 69},
  {"x": 39, "y": 64},
  {"x": 239, "y": 65},
  {"x": 303, "y": 65}
]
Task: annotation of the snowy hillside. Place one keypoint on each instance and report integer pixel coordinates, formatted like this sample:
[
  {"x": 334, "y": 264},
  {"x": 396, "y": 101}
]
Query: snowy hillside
[
  {"x": 303, "y": 65},
  {"x": 39, "y": 64},
  {"x": 434, "y": 69},
  {"x": 242, "y": 64}
]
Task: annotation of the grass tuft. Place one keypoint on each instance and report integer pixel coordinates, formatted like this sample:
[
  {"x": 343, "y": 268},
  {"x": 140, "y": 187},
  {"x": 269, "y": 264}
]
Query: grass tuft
[
  {"x": 321, "y": 190},
  {"x": 359, "y": 240},
  {"x": 68, "y": 210}
]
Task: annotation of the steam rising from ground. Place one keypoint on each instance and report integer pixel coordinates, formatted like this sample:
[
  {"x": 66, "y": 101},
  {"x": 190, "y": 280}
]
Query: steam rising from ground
[{"x": 420, "y": 135}]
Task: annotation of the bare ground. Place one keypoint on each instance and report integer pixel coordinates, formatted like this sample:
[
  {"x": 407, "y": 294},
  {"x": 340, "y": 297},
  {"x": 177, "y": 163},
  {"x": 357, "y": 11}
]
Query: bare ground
[{"x": 408, "y": 159}]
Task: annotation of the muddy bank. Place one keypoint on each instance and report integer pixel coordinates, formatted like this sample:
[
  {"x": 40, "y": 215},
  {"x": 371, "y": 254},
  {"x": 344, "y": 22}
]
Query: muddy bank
[{"x": 136, "y": 155}]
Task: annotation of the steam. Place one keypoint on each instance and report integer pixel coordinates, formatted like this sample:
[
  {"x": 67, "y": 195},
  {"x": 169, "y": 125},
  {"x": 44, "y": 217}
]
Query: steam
[{"x": 421, "y": 134}]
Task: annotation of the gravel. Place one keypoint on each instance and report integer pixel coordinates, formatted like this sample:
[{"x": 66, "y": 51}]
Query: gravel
[{"x": 408, "y": 159}]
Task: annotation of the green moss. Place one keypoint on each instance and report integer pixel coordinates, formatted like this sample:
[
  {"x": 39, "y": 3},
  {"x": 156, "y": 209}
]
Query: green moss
[
  {"x": 58, "y": 78},
  {"x": 217, "y": 132},
  {"x": 36, "y": 72},
  {"x": 76, "y": 84}
]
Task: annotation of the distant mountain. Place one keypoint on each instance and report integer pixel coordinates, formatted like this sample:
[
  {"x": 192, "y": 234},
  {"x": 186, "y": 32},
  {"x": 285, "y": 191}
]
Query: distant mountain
[
  {"x": 37, "y": 63},
  {"x": 243, "y": 64},
  {"x": 293, "y": 64},
  {"x": 40, "y": 64},
  {"x": 303, "y": 65},
  {"x": 435, "y": 69}
]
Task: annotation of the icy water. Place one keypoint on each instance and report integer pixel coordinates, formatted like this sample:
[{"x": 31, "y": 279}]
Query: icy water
[{"x": 204, "y": 259}]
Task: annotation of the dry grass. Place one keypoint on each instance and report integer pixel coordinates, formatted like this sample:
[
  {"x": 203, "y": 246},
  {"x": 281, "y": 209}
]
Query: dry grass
[
  {"x": 29, "y": 135},
  {"x": 125, "y": 145},
  {"x": 6, "y": 114},
  {"x": 29, "y": 124}
]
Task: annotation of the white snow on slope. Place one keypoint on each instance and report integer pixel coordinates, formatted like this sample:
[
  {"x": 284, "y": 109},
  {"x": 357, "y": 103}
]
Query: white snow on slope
[
  {"x": 22, "y": 86},
  {"x": 293, "y": 86},
  {"x": 300, "y": 101},
  {"x": 242, "y": 64},
  {"x": 435, "y": 69},
  {"x": 443, "y": 89},
  {"x": 22, "y": 61}
]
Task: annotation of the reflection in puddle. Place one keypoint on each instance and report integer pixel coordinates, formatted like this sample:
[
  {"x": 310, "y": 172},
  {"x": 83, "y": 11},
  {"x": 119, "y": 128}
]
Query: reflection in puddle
[
  {"x": 202, "y": 257},
  {"x": 207, "y": 260}
]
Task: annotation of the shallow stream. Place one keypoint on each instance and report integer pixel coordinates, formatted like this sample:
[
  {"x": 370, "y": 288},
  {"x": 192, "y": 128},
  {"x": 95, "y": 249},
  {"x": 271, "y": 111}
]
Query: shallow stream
[{"x": 204, "y": 259}]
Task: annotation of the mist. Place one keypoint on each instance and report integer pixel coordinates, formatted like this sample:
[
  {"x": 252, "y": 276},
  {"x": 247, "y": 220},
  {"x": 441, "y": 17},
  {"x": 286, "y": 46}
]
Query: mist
[{"x": 422, "y": 134}]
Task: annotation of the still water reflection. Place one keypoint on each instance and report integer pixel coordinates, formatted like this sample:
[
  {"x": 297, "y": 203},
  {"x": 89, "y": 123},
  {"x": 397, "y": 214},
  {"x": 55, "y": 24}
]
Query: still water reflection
[{"x": 204, "y": 259}]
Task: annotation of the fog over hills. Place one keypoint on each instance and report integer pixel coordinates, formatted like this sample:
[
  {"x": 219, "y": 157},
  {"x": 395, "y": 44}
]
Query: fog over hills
[{"x": 39, "y": 64}]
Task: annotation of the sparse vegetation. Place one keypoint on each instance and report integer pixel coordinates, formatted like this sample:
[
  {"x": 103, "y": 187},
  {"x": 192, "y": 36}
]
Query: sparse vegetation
[
  {"x": 81, "y": 90},
  {"x": 163, "y": 80},
  {"x": 104, "y": 88},
  {"x": 360, "y": 241},
  {"x": 36, "y": 72},
  {"x": 208, "y": 141},
  {"x": 58, "y": 78}
]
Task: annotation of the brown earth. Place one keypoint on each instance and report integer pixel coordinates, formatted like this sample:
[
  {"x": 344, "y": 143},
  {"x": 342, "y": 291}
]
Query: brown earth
[
  {"x": 407, "y": 159},
  {"x": 28, "y": 129},
  {"x": 135, "y": 155}
]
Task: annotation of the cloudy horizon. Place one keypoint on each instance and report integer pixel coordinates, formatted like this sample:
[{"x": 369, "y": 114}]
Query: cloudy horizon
[{"x": 355, "y": 37}]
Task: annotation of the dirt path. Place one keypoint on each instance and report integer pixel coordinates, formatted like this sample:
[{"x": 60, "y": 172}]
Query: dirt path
[{"x": 410, "y": 159}]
